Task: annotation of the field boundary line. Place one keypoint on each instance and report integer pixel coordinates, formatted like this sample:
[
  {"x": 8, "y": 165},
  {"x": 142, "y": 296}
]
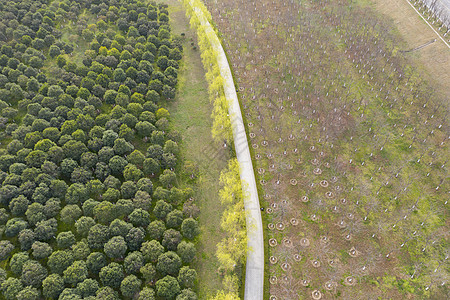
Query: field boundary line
[
  {"x": 437, "y": 33},
  {"x": 254, "y": 273}
]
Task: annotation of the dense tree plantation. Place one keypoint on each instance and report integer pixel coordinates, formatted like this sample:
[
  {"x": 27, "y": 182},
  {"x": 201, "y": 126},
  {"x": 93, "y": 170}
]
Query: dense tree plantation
[{"x": 89, "y": 203}]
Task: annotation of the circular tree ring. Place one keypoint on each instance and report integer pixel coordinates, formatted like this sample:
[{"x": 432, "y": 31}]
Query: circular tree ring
[
  {"x": 312, "y": 148},
  {"x": 323, "y": 183},
  {"x": 294, "y": 221},
  {"x": 349, "y": 280},
  {"x": 271, "y": 226},
  {"x": 353, "y": 252},
  {"x": 280, "y": 226},
  {"x": 250, "y": 124},
  {"x": 342, "y": 224},
  {"x": 304, "y": 242},
  {"x": 255, "y": 146},
  {"x": 316, "y": 295},
  {"x": 330, "y": 285},
  {"x": 273, "y": 242},
  {"x": 263, "y": 182},
  {"x": 252, "y": 135},
  {"x": 285, "y": 266},
  {"x": 293, "y": 181},
  {"x": 305, "y": 282},
  {"x": 261, "y": 171},
  {"x": 272, "y": 297},
  {"x": 273, "y": 280},
  {"x": 305, "y": 199},
  {"x": 317, "y": 171},
  {"x": 297, "y": 257},
  {"x": 269, "y": 210},
  {"x": 315, "y": 263},
  {"x": 287, "y": 243},
  {"x": 273, "y": 260},
  {"x": 315, "y": 161},
  {"x": 329, "y": 195},
  {"x": 334, "y": 179}
]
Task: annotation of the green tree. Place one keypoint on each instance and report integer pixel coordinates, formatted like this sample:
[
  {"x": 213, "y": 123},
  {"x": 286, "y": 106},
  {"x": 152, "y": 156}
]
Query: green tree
[
  {"x": 156, "y": 229},
  {"x": 17, "y": 261},
  {"x": 190, "y": 228},
  {"x": 87, "y": 288},
  {"x": 115, "y": 247},
  {"x": 98, "y": 236},
  {"x": 75, "y": 273},
  {"x": 81, "y": 250},
  {"x": 167, "y": 287},
  {"x": 28, "y": 293},
  {"x": 130, "y": 286},
  {"x": 169, "y": 263},
  {"x": 11, "y": 287},
  {"x": 41, "y": 250},
  {"x": 60, "y": 260},
  {"x": 146, "y": 294},
  {"x": 187, "y": 277},
  {"x": 14, "y": 226},
  {"x": 52, "y": 286},
  {"x": 186, "y": 251},
  {"x": 171, "y": 239},
  {"x": 174, "y": 219},
  {"x": 83, "y": 225},
  {"x": 5, "y": 249},
  {"x": 152, "y": 250},
  {"x": 33, "y": 273},
  {"x": 112, "y": 275},
  {"x": 107, "y": 292},
  {"x": 105, "y": 211},
  {"x": 167, "y": 178},
  {"x": 65, "y": 239},
  {"x": 119, "y": 227},
  {"x": 140, "y": 218},
  {"x": 144, "y": 128},
  {"x": 117, "y": 165},
  {"x": 161, "y": 209},
  {"x": 151, "y": 166},
  {"x": 187, "y": 294},
  {"x": 70, "y": 213},
  {"x": 61, "y": 61},
  {"x": 133, "y": 262},
  {"x": 95, "y": 262},
  {"x": 122, "y": 147},
  {"x": 135, "y": 238}
]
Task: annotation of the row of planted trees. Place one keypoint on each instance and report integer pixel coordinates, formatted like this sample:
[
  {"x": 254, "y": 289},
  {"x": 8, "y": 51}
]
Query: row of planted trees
[{"x": 231, "y": 251}]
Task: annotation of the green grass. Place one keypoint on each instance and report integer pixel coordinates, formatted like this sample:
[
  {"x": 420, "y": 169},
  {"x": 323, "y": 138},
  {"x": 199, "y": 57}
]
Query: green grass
[{"x": 190, "y": 116}]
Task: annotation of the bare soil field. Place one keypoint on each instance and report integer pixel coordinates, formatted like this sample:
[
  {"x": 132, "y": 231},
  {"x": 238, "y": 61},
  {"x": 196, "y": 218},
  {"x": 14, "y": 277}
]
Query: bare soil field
[
  {"x": 350, "y": 144},
  {"x": 435, "y": 58}
]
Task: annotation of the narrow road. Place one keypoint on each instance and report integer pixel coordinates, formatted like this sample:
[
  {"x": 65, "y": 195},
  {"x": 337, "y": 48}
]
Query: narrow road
[{"x": 254, "y": 274}]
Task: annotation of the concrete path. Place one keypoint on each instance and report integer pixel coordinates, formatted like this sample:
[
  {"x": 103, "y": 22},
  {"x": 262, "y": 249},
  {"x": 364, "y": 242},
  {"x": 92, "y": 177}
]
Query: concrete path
[{"x": 254, "y": 275}]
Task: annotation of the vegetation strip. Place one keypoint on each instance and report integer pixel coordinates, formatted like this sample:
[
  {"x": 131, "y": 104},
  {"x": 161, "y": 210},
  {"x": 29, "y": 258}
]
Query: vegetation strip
[{"x": 255, "y": 254}]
